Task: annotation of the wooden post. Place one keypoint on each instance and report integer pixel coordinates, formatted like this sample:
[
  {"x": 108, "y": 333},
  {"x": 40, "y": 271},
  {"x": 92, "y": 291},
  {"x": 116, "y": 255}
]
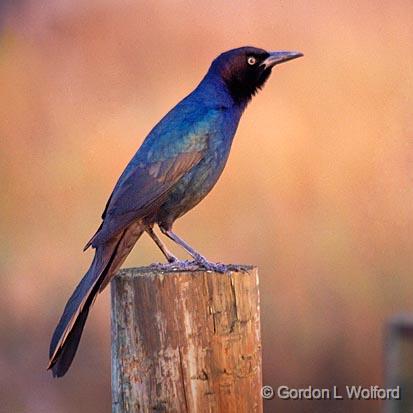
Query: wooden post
[
  {"x": 399, "y": 362},
  {"x": 186, "y": 341}
]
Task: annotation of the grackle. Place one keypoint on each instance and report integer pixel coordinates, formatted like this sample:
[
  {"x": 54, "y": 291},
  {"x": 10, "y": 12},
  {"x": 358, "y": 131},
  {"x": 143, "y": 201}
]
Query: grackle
[{"x": 174, "y": 169}]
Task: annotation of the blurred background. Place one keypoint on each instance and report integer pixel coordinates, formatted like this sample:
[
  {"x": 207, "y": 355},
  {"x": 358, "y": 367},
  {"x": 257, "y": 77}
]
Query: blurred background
[{"x": 318, "y": 190}]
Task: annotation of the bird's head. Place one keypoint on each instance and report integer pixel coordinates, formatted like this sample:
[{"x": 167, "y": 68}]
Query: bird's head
[{"x": 246, "y": 69}]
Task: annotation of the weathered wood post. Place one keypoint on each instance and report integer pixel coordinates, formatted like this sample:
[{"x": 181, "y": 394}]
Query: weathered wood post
[
  {"x": 399, "y": 362},
  {"x": 186, "y": 341}
]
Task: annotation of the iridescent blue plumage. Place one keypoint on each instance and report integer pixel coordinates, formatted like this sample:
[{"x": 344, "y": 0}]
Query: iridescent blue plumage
[
  {"x": 177, "y": 165},
  {"x": 196, "y": 135}
]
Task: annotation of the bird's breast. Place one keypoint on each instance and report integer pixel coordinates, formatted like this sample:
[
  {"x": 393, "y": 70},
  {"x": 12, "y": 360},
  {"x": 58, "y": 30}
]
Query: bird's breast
[{"x": 198, "y": 182}]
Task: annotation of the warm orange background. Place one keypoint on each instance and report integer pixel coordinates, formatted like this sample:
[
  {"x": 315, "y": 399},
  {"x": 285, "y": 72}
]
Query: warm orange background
[{"x": 318, "y": 190}]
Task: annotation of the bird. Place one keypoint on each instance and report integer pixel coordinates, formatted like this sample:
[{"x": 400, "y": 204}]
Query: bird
[{"x": 176, "y": 166}]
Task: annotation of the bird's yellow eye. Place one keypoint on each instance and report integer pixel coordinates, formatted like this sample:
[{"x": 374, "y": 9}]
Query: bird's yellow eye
[{"x": 251, "y": 60}]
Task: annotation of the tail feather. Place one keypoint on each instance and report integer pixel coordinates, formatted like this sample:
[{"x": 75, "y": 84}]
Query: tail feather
[
  {"x": 107, "y": 261},
  {"x": 64, "y": 357},
  {"x": 66, "y": 336}
]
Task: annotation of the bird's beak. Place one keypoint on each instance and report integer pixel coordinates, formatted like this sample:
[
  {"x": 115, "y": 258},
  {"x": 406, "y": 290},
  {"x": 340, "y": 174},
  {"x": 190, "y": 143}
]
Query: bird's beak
[{"x": 276, "y": 58}]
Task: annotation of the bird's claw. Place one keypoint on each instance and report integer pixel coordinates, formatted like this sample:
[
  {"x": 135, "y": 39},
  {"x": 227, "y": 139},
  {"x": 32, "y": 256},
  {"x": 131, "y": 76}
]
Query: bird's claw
[
  {"x": 175, "y": 265},
  {"x": 201, "y": 261},
  {"x": 198, "y": 263}
]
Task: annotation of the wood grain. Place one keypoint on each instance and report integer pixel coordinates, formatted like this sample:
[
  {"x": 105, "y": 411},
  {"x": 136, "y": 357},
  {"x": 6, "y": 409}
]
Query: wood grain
[{"x": 186, "y": 342}]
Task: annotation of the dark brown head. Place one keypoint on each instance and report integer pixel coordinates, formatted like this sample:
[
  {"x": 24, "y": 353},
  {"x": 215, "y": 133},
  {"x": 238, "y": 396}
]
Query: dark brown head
[{"x": 245, "y": 70}]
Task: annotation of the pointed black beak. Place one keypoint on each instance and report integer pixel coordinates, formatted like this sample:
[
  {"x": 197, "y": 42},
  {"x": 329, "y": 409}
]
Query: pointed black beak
[{"x": 276, "y": 58}]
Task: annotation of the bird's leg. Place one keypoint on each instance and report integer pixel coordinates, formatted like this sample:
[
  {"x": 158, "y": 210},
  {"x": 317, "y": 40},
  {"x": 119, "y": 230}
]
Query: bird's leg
[
  {"x": 168, "y": 255},
  {"x": 199, "y": 259},
  {"x": 195, "y": 254}
]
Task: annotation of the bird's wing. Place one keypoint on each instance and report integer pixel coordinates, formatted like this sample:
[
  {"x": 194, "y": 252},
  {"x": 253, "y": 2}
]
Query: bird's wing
[
  {"x": 145, "y": 188},
  {"x": 158, "y": 165}
]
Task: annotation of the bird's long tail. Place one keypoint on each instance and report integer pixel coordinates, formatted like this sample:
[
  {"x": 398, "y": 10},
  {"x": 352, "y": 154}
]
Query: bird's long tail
[{"x": 108, "y": 259}]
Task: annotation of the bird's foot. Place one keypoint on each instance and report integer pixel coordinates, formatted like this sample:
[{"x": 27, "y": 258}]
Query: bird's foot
[
  {"x": 176, "y": 265},
  {"x": 199, "y": 262},
  {"x": 202, "y": 262}
]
